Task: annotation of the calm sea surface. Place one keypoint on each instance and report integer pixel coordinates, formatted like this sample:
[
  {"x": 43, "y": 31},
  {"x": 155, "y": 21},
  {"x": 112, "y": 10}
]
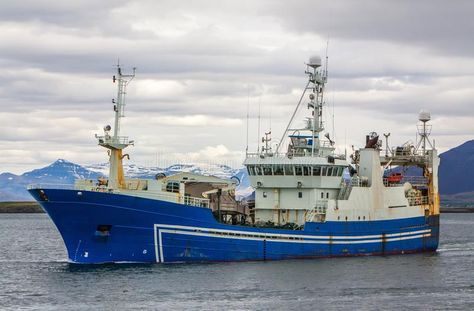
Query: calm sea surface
[{"x": 35, "y": 274}]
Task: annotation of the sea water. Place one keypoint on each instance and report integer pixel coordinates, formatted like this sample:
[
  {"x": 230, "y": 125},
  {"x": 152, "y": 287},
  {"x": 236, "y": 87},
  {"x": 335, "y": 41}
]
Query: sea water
[{"x": 35, "y": 274}]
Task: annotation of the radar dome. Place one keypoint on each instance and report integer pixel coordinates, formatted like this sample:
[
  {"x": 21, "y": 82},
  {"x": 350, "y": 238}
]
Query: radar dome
[
  {"x": 424, "y": 116},
  {"x": 315, "y": 61}
]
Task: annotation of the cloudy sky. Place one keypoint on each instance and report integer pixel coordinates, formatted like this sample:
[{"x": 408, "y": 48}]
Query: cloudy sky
[{"x": 201, "y": 63}]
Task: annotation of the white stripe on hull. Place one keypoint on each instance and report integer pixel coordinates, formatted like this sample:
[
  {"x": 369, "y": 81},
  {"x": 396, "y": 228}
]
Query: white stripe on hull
[{"x": 280, "y": 238}]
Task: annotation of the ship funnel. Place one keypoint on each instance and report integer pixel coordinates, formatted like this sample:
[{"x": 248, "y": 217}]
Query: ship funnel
[
  {"x": 314, "y": 61},
  {"x": 424, "y": 116}
]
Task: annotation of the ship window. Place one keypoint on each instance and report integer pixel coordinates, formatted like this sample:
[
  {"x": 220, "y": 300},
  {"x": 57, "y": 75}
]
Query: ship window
[
  {"x": 335, "y": 171},
  {"x": 317, "y": 171},
  {"x": 327, "y": 195},
  {"x": 264, "y": 194},
  {"x": 306, "y": 171},
  {"x": 278, "y": 170},
  {"x": 289, "y": 170},
  {"x": 322, "y": 195},
  {"x": 329, "y": 171},
  {"x": 250, "y": 170},
  {"x": 172, "y": 186},
  {"x": 298, "y": 171},
  {"x": 257, "y": 170},
  {"x": 300, "y": 194},
  {"x": 323, "y": 171},
  {"x": 267, "y": 170},
  {"x": 340, "y": 170}
]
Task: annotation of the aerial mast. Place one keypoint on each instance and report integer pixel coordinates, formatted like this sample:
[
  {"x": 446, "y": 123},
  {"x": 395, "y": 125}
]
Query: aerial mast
[
  {"x": 317, "y": 78},
  {"x": 117, "y": 143}
]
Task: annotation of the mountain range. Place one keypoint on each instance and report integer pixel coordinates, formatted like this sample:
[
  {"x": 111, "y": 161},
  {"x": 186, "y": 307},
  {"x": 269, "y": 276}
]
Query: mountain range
[
  {"x": 456, "y": 173},
  {"x": 13, "y": 187}
]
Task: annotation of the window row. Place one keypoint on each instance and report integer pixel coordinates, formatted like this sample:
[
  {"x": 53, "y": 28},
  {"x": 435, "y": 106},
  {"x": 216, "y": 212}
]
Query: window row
[
  {"x": 300, "y": 195},
  {"x": 295, "y": 170}
]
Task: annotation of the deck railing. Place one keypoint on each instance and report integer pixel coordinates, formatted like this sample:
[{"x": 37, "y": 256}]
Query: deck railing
[
  {"x": 419, "y": 200},
  {"x": 419, "y": 181},
  {"x": 175, "y": 198},
  {"x": 107, "y": 139}
]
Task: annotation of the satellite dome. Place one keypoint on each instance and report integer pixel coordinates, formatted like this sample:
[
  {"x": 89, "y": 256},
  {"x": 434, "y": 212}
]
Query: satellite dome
[
  {"x": 315, "y": 61},
  {"x": 424, "y": 116}
]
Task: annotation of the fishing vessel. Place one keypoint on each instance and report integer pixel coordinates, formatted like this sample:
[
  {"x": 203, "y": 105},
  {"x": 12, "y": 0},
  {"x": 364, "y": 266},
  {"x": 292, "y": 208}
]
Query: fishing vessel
[{"x": 309, "y": 201}]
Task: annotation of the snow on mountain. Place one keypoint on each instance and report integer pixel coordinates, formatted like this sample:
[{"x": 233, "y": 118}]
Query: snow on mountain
[
  {"x": 13, "y": 187},
  {"x": 222, "y": 171}
]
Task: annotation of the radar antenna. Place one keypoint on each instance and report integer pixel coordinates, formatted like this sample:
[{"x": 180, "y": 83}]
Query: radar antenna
[{"x": 424, "y": 131}]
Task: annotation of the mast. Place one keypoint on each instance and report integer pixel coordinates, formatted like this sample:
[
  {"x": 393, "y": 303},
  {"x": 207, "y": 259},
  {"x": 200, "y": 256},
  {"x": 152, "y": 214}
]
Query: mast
[
  {"x": 317, "y": 78},
  {"x": 116, "y": 143}
]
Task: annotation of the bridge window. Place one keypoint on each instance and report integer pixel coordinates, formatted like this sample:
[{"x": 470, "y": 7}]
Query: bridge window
[
  {"x": 335, "y": 171},
  {"x": 289, "y": 170},
  {"x": 329, "y": 171},
  {"x": 267, "y": 170},
  {"x": 250, "y": 170},
  {"x": 298, "y": 171},
  {"x": 172, "y": 186},
  {"x": 306, "y": 171},
  {"x": 317, "y": 171},
  {"x": 258, "y": 170},
  {"x": 278, "y": 170},
  {"x": 323, "y": 171}
]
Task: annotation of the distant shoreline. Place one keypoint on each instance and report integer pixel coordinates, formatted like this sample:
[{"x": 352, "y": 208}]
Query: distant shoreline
[
  {"x": 20, "y": 207},
  {"x": 34, "y": 207}
]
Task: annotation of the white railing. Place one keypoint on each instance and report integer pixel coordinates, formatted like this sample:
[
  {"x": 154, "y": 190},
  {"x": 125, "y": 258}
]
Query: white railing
[
  {"x": 263, "y": 155},
  {"x": 413, "y": 180},
  {"x": 201, "y": 202},
  {"x": 286, "y": 155},
  {"x": 51, "y": 186},
  {"x": 107, "y": 139},
  {"x": 418, "y": 200},
  {"x": 359, "y": 182},
  {"x": 176, "y": 198}
]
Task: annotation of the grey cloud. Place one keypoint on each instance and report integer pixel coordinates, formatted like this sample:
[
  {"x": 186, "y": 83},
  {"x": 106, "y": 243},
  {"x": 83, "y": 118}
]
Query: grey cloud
[
  {"x": 434, "y": 24},
  {"x": 387, "y": 61}
]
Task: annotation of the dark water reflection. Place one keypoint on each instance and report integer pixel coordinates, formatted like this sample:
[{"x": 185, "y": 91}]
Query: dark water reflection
[{"x": 34, "y": 274}]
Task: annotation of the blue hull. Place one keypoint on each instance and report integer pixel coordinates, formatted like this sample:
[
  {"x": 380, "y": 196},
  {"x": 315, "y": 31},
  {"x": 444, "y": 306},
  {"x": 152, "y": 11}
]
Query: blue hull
[{"x": 145, "y": 230}]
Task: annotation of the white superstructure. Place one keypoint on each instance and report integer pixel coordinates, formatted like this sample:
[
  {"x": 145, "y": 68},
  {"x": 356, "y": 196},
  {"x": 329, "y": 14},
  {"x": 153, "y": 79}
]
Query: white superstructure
[{"x": 306, "y": 184}]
